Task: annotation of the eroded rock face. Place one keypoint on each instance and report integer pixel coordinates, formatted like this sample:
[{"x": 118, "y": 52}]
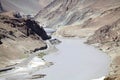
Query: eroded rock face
[
  {"x": 35, "y": 28},
  {"x": 26, "y": 26},
  {"x": 18, "y": 38}
]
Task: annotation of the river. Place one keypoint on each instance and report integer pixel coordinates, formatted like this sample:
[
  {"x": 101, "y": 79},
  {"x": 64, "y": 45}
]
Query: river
[
  {"x": 73, "y": 61},
  {"x": 76, "y": 61}
]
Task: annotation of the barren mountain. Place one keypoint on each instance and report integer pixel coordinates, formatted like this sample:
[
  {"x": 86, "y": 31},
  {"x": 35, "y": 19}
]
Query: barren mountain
[
  {"x": 29, "y": 7},
  {"x": 66, "y": 12}
]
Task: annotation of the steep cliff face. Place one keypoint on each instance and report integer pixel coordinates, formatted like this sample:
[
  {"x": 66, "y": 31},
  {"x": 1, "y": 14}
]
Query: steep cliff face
[{"x": 66, "y": 12}]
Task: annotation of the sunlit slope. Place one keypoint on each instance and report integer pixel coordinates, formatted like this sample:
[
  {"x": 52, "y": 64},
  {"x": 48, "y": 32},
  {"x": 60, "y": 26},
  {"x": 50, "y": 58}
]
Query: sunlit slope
[{"x": 67, "y": 12}]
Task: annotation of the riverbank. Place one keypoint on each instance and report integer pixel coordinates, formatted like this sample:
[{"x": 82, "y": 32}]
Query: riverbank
[
  {"x": 76, "y": 60},
  {"x": 26, "y": 68},
  {"x": 73, "y": 57},
  {"x": 110, "y": 45}
]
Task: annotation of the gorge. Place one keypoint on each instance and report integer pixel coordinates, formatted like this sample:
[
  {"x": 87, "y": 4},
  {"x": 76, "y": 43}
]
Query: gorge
[{"x": 98, "y": 21}]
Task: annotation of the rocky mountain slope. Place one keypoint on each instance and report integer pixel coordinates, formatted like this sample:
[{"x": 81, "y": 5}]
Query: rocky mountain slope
[
  {"x": 29, "y": 7},
  {"x": 67, "y": 12},
  {"x": 18, "y": 39},
  {"x": 89, "y": 26}
]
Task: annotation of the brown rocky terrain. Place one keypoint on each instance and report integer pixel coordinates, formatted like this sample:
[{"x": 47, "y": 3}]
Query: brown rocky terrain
[{"x": 18, "y": 38}]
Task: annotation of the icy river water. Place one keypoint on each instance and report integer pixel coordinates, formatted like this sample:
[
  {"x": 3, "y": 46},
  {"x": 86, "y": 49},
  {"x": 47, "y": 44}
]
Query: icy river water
[{"x": 73, "y": 61}]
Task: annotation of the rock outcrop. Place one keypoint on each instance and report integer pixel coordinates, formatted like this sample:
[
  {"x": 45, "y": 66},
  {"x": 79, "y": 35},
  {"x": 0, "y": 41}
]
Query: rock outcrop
[{"x": 18, "y": 38}]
